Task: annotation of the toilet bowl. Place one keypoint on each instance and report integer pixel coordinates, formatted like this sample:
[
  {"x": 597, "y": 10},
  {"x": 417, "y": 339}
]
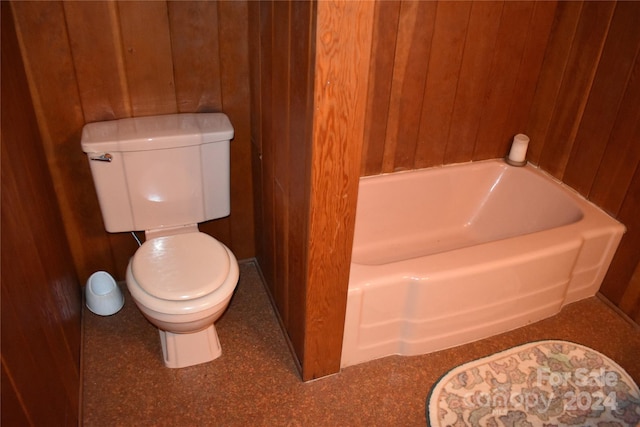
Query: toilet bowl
[{"x": 182, "y": 283}]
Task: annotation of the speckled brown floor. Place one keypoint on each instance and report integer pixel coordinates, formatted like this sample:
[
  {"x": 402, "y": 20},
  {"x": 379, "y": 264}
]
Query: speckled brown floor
[{"x": 255, "y": 381}]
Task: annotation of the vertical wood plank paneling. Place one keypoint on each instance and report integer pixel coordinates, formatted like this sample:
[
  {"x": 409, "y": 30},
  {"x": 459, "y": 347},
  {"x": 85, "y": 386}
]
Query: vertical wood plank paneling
[
  {"x": 627, "y": 258},
  {"x": 36, "y": 262},
  {"x": 413, "y": 44},
  {"x": 97, "y": 56},
  {"x": 447, "y": 47},
  {"x": 50, "y": 70},
  {"x": 15, "y": 413},
  {"x": 34, "y": 379},
  {"x": 41, "y": 304},
  {"x": 256, "y": 83},
  {"x": 280, "y": 125},
  {"x": 267, "y": 260},
  {"x": 285, "y": 83},
  {"x": 553, "y": 67},
  {"x": 630, "y": 302},
  {"x": 196, "y": 57},
  {"x": 234, "y": 77},
  {"x": 576, "y": 83},
  {"x": 494, "y": 131},
  {"x": 255, "y": 66},
  {"x": 605, "y": 96},
  {"x": 301, "y": 116},
  {"x": 148, "y": 62},
  {"x": 383, "y": 50},
  {"x": 539, "y": 31},
  {"x": 281, "y": 236},
  {"x": 623, "y": 151},
  {"x": 474, "y": 78},
  {"x": 343, "y": 43}
]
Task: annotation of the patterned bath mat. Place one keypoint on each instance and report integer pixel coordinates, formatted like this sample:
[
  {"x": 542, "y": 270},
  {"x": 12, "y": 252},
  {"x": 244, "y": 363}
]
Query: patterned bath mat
[{"x": 544, "y": 383}]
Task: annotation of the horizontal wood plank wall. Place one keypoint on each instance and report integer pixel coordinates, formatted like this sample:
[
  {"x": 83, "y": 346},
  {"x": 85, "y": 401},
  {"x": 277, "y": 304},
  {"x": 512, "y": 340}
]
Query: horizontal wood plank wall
[
  {"x": 106, "y": 60},
  {"x": 454, "y": 81}
]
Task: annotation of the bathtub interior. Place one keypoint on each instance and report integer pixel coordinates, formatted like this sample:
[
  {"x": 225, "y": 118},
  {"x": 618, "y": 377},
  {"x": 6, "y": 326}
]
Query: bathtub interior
[{"x": 488, "y": 201}]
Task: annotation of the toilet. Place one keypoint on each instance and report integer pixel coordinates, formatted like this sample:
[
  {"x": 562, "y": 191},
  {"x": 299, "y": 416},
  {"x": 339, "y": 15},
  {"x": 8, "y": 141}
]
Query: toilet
[{"x": 164, "y": 175}]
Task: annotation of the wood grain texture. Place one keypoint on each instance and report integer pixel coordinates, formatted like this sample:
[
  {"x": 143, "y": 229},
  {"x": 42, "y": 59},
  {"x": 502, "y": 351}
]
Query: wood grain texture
[
  {"x": 343, "y": 42},
  {"x": 234, "y": 60},
  {"x": 266, "y": 141},
  {"x": 576, "y": 83},
  {"x": 148, "y": 60},
  {"x": 412, "y": 56},
  {"x": 194, "y": 29},
  {"x": 41, "y": 303},
  {"x": 618, "y": 282},
  {"x": 565, "y": 23},
  {"x": 51, "y": 73},
  {"x": 280, "y": 107},
  {"x": 605, "y": 97},
  {"x": 533, "y": 56},
  {"x": 495, "y": 132},
  {"x": 630, "y": 301},
  {"x": 255, "y": 66},
  {"x": 302, "y": 60},
  {"x": 473, "y": 81},
  {"x": 383, "y": 47},
  {"x": 15, "y": 413},
  {"x": 106, "y": 60},
  {"x": 93, "y": 57},
  {"x": 443, "y": 73},
  {"x": 282, "y": 144},
  {"x": 451, "y": 81},
  {"x": 622, "y": 154}
]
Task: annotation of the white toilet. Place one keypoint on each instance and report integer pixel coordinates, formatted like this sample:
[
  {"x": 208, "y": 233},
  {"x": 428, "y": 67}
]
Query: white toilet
[{"x": 164, "y": 175}]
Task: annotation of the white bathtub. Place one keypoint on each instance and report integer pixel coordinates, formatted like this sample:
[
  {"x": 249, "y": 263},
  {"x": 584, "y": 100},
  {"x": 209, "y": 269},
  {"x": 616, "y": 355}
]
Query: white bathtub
[{"x": 449, "y": 255}]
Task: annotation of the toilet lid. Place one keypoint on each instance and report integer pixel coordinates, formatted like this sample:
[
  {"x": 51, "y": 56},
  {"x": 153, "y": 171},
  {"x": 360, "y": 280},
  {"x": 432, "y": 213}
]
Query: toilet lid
[{"x": 180, "y": 267}]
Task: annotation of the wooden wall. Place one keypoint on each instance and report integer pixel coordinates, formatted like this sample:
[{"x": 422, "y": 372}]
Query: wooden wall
[
  {"x": 41, "y": 302},
  {"x": 343, "y": 42},
  {"x": 309, "y": 87},
  {"x": 455, "y": 81},
  {"x": 104, "y": 60},
  {"x": 282, "y": 51}
]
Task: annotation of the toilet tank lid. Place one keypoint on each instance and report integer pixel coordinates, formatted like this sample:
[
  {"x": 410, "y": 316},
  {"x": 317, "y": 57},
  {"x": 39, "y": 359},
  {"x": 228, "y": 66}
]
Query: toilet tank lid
[{"x": 156, "y": 132}]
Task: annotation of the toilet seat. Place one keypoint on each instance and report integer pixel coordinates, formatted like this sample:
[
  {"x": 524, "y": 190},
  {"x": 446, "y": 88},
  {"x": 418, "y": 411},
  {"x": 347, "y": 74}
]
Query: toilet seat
[
  {"x": 220, "y": 288},
  {"x": 180, "y": 267}
]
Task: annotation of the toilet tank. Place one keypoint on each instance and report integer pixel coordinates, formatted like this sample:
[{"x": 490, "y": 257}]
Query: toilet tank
[{"x": 160, "y": 171}]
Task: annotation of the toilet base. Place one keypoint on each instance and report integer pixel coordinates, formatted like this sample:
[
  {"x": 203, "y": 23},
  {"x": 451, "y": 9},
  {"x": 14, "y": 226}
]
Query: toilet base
[{"x": 182, "y": 350}]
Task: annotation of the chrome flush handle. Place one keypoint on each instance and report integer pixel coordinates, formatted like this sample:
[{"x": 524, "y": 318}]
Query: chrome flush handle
[{"x": 101, "y": 157}]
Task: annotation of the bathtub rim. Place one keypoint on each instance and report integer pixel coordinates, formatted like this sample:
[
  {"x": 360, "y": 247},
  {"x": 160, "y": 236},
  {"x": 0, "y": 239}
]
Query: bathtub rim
[{"x": 591, "y": 213}]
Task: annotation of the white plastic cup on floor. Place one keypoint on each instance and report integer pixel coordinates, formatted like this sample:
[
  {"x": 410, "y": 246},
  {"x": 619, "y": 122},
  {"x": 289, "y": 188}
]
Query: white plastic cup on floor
[{"x": 102, "y": 294}]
